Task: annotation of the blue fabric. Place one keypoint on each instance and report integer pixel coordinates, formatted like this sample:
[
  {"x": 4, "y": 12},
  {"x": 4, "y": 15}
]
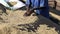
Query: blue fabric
[{"x": 39, "y": 3}]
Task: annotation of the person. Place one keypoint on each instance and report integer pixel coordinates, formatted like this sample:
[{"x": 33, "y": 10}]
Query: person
[{"x": 39, "y": 6}]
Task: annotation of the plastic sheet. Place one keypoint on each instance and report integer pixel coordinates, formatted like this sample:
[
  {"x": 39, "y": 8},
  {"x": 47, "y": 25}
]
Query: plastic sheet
[
  {"x": 3, "y": 2},
  {"x": 18, "y": 5}
]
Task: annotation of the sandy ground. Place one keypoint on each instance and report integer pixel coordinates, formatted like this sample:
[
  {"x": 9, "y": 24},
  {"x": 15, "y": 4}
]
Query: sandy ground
[{"x": 15, "y": 23}]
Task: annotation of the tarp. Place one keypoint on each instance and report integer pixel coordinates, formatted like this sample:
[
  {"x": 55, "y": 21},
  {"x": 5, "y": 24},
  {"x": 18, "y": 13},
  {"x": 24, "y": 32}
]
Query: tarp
[
  {"x": 3, "y": 2},
  {"x": 18, "y": 5}
]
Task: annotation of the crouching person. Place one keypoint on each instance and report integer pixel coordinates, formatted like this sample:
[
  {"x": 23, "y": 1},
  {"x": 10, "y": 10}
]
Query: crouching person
[{"x": 40, "y": 6}]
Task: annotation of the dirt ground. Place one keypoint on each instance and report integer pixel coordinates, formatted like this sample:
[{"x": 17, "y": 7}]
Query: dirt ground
[{"x": 15, "y": 23}]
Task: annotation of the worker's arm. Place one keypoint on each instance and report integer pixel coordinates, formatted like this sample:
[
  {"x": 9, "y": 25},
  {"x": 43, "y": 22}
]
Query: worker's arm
[
  {"x": 30, "y": 11},
  {"x": 27, "y": 11},
  {"x": 39, "y": 8},
  {"x": 28, "y": 5}
]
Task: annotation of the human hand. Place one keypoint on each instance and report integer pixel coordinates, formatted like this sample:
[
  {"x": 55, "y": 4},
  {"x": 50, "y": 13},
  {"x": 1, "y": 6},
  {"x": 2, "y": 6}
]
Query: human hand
[{"x": 28, "y": 13}]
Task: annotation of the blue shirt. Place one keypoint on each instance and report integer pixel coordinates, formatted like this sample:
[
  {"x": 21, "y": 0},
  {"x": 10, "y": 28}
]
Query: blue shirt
[
  {"x": 36, "y": 3},
  {"x": 39, "y": 3}
]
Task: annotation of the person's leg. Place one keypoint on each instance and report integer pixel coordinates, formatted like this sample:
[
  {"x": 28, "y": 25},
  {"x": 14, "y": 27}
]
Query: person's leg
[{"x": 45, "y": 12}]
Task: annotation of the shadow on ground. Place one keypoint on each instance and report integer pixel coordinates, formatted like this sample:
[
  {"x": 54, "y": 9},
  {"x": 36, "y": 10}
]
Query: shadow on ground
[{"x": 41, "y": 21}]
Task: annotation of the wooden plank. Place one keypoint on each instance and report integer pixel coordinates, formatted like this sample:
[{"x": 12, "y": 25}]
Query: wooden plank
[{"x": 55, "y": 16}]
